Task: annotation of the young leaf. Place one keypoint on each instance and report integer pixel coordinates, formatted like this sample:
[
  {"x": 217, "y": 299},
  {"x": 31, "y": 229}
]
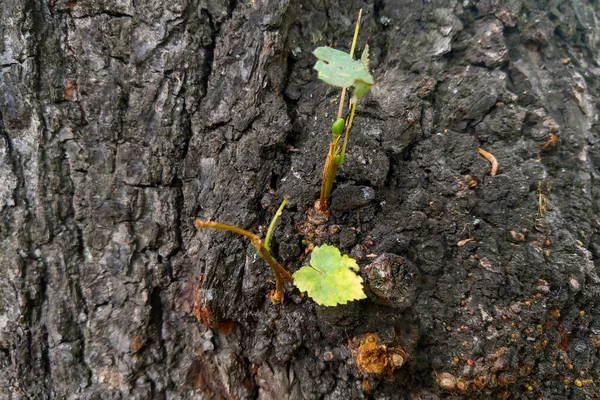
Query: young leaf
[
  {"x": 361, "y": 87},
  {"x": 331, "y": 279},
  {"x": 364, "y": 57},
  {"x": 339, "y": 69}
]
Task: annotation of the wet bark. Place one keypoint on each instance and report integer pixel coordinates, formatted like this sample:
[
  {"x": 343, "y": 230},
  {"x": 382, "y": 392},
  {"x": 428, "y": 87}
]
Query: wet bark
[{"x": 121, "y": 121}]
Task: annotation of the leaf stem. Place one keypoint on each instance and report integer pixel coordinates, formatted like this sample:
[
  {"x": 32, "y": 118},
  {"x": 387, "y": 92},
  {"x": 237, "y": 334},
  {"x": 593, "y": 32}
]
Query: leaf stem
[
  {"x": 352, "y": 48},
  {"x": 328, "y": 176},
  {"x": 348, "y": 128},
  {"x": 341, "y": 107},
  {"x": 280, "y": 273},
  {"x": 355, "y": 33},
  {"x": 273, "y": 221},
  {"x": 224, "y": 227}
]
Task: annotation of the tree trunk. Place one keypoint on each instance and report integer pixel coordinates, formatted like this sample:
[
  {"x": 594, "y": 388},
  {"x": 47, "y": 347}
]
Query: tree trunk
[{"x": 121, "y": 121}]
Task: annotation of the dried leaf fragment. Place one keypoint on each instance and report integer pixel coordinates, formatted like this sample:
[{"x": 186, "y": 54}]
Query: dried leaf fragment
[
  {"x": 553, "y": 139},
  {"x": 70, "y": 90},
  {"x": 491, "y": 159},
  {"x": 461, "y": 243},
  {"x": 487, "y": 264},
  {"x": 365, "y": 385},
  {"x": 517, "y": 236},
  {"x": 541, "y": 200}
]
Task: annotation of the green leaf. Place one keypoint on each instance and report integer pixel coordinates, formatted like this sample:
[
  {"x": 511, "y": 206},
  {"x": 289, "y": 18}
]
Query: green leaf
[
  {"x": 331, "y": 280},
  {"x": 364, "y": 57},
  {"x": 339, "y": 69},
  {"x": 360, "y": 89}
]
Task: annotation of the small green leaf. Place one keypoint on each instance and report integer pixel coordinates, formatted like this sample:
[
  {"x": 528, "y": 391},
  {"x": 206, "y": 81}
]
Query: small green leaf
[
  {"x": 364, "y": 57},
  {"x": 360, "y": 89},
  {"x": 339, "y": 69},
  {"x": 331, "y": 280}
]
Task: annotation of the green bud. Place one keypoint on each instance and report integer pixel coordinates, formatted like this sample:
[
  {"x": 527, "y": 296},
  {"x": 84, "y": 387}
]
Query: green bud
[{"x": 338, "y": 126}]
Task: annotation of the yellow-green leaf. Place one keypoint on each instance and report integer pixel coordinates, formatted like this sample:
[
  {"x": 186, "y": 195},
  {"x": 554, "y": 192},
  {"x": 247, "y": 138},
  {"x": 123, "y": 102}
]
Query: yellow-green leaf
[{"x": 331, "y": 279}]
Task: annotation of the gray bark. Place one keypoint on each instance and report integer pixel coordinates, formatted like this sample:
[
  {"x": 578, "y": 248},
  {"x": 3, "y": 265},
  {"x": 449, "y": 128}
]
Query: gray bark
[{"x": 121, "y": 121}]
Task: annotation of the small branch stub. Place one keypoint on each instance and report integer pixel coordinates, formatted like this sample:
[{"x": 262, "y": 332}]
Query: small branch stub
[{"x": 376, "y": 359}]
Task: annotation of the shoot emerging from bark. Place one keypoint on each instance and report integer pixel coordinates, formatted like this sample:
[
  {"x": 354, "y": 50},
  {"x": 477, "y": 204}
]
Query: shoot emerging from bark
[
  {"x": 281, "y": 274},
  {"x": 341, "y": 70}
]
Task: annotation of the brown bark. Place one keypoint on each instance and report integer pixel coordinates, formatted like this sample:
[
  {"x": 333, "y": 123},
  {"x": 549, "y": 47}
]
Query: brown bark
[{"x": 122, "y": 121}]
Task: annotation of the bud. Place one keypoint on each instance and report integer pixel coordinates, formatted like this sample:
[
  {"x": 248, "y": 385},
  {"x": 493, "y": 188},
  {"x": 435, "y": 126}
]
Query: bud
[{"x": 338, "y": 126}]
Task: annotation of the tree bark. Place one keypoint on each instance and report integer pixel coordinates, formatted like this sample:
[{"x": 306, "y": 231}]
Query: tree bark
[{"x": 122, "y": 121}]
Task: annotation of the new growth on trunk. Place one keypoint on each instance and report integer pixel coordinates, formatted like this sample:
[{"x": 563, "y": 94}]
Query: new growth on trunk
[
  {"x": 341, "y": 70},
  {"x": 281, "y": 274}
]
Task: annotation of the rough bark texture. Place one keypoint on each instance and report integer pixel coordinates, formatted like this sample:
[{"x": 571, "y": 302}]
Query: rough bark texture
[{"x": 120, "y": 121}]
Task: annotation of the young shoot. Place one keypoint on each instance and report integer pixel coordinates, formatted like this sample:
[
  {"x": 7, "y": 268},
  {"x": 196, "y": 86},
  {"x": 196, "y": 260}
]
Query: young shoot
[
  {"x": 261, "y": 247},
  {"x": 340, "y": 69}
]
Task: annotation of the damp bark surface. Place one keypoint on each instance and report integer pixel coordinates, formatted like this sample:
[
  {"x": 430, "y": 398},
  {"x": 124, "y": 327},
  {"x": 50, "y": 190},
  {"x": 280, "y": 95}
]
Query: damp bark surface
[{"x": 121, "y": 121}]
